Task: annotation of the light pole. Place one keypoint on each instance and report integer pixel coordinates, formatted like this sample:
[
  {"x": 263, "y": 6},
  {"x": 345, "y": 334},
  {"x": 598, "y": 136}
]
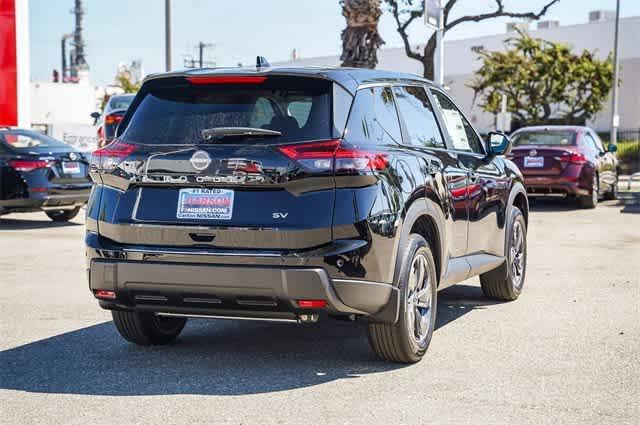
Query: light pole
[
  {"x": 615, "y": 119},
  {"x": 434, "y": 18},
  {"x": 440, "y": 47},
  {"x": 167, "y": 34}
]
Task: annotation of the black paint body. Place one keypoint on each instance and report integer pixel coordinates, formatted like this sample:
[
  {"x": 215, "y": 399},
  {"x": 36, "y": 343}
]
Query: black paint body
[{"x": 346, "y": 230}]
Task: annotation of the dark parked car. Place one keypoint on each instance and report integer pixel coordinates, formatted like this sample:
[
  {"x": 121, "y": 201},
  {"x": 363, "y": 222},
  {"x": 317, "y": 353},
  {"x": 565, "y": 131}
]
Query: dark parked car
[
  {"x": 113, "y": 113},
  {"x": 567, "y": 161},
  {"x": 40, "y": 173},
  {"x": 283, "y": 193}
]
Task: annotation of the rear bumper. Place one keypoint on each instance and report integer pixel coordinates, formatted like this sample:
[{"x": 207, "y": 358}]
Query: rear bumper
[
  {"x": 554, "y": 186},
  {"x": 245, "y": 286},
  {"x": 38, "y": 201}
]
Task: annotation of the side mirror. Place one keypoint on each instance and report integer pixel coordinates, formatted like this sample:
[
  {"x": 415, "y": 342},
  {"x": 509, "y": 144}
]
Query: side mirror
[
  {"x": 95, "y": 116},
  {"x": 612, "y": 148},
  {"x": 498, "y": 143}
]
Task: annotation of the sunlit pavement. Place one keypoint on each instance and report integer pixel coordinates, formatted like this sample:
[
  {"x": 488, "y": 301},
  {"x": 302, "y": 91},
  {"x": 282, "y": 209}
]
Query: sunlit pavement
[{"x": 568, "y": 351}]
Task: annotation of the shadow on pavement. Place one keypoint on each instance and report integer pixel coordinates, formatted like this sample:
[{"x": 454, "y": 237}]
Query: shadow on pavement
[
  {"x": 210, "y": 357},
  {"x": 553, "y": 204},
  {"x": 18, "y": 224}
]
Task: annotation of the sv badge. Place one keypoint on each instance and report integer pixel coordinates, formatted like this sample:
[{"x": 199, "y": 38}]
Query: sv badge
[{"x": 279, "y": 215}]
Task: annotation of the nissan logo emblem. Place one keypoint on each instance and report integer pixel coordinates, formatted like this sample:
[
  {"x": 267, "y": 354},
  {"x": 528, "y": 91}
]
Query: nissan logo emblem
[
  {"x": 533, "y": 152},
  {"x": 200, "y": 160}
]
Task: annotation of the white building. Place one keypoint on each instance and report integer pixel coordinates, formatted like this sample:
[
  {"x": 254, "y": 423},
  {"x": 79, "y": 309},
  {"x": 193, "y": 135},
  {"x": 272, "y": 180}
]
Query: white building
[
  {"x": 64, "y": 111},
  {"x": 461, "y": 62}
]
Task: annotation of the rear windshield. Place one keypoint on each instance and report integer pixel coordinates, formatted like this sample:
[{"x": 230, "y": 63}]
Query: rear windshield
[
  {"x": 25, "y": 140},
  {"x": 120, "y": 102},
  {"x": 299, "y": 108},
  {"x": 551, "y": 138}
]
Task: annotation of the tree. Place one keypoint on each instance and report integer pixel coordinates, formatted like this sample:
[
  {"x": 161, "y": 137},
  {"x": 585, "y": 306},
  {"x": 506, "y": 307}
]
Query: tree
[
  {"x": 124, "y": 81},
  {"x": 360, "y": 39},
  {"x": 544, "y": 82},
  {"x": 407, "y": 11}
]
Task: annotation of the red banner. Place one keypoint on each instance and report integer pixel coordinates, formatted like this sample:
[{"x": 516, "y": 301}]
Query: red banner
[{"x": 8, "y": 66}]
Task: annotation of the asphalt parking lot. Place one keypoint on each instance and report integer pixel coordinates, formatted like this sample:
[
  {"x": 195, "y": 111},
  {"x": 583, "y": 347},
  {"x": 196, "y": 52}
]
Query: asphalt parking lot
[{"x": 568, "y": 351}]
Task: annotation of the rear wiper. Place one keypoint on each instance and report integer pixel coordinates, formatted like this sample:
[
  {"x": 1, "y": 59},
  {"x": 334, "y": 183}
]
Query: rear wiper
[{"x": 218, "y": 133}]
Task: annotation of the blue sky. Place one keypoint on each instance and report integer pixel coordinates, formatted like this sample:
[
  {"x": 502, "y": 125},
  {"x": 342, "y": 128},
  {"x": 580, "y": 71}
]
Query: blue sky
[{"x": 120, "y": 31}]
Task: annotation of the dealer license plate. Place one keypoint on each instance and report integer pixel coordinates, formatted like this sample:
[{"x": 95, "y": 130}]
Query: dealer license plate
[
  {"x": 205, "y": 204},
  {"x": 71, "y": 167},
  {"x": 534, "y": 161}
]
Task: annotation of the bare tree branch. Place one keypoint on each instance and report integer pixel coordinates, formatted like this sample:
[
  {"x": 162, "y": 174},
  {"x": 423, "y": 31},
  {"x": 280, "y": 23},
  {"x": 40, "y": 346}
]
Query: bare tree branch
[
  {"x": 402, "y": 30},
  {"x": 415, "y": 9},
  {"x": 498, "y": 13}
]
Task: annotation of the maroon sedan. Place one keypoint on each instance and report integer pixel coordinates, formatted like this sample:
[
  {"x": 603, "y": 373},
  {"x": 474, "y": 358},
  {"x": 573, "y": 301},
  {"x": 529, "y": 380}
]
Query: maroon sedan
[{"x": 567, "y": 161}]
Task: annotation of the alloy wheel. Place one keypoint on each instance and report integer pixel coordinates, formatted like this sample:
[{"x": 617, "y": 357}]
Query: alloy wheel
[
  {"x": 517, "y": 254},
  {"x": 419, "y": 299}
]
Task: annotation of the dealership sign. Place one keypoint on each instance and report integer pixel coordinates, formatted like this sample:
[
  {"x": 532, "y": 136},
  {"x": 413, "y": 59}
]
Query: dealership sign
[{"x": 14, "y": 63}]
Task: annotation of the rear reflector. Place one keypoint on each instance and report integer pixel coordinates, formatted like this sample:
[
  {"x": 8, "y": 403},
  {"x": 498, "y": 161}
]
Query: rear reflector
[
  {"x": 28, "y": 165},
  {"x": 104, "y": 294},
  {"x": 108, "y": 157},
  {"x": 312, "y": 303},
  {"x": 220, "y": 79},
  {"x": 37, "y": 189},
  {"x": 330, "y": 155}
]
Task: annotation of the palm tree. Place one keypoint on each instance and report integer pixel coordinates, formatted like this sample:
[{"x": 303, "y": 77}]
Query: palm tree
[{"x": 360, "y": 39}]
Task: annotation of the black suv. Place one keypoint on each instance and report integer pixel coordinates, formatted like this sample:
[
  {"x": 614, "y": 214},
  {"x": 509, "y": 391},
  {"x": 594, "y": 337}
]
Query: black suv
[{"x": 282, "y": 193}]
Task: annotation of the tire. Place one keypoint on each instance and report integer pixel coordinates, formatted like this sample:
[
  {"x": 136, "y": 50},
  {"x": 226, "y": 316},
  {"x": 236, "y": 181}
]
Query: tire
[
  {"x": 591, "y": 201},
  {"x": 403, "y": 341},
  {"x": 147, "y": 328},
  {"x": 612, "y": 194},
  {"x": 63, "y": 215},
  {"x": 505, "y": 283}
]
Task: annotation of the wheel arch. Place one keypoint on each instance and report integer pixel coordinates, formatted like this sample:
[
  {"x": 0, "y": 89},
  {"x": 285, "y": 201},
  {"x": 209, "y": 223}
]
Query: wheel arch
[
  {"x": 423, "y": 217},
  {"x": 521, "y": 201},
  {"x": 517, "y": 198}
]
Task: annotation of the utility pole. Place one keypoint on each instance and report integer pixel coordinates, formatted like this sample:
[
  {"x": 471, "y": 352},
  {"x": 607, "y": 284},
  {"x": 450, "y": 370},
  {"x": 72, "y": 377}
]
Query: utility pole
[
  {"x": 201, "y": 47},
  {"x": 615, "y": 119},
  {"x": 167, "y": 34},
  {"x": 199, "y": 62}
]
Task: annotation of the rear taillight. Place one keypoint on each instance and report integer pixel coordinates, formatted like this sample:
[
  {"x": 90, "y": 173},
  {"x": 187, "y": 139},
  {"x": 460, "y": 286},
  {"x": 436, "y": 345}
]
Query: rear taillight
[
  {"x": 572, "y": 158},
  {"x": 28, "y": 165},
  {"x": 108, "y": 157},
  {"x": 112, "y": 119},
  {"x": 331, "y": 155}
]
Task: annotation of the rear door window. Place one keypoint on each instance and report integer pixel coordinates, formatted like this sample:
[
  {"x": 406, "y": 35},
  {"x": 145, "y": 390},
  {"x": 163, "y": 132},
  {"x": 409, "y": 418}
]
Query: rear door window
[
  {"x": 418, "y": 116},
  {"x": 176, "y": 112},
  {"x": 373, "y": 118}
]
